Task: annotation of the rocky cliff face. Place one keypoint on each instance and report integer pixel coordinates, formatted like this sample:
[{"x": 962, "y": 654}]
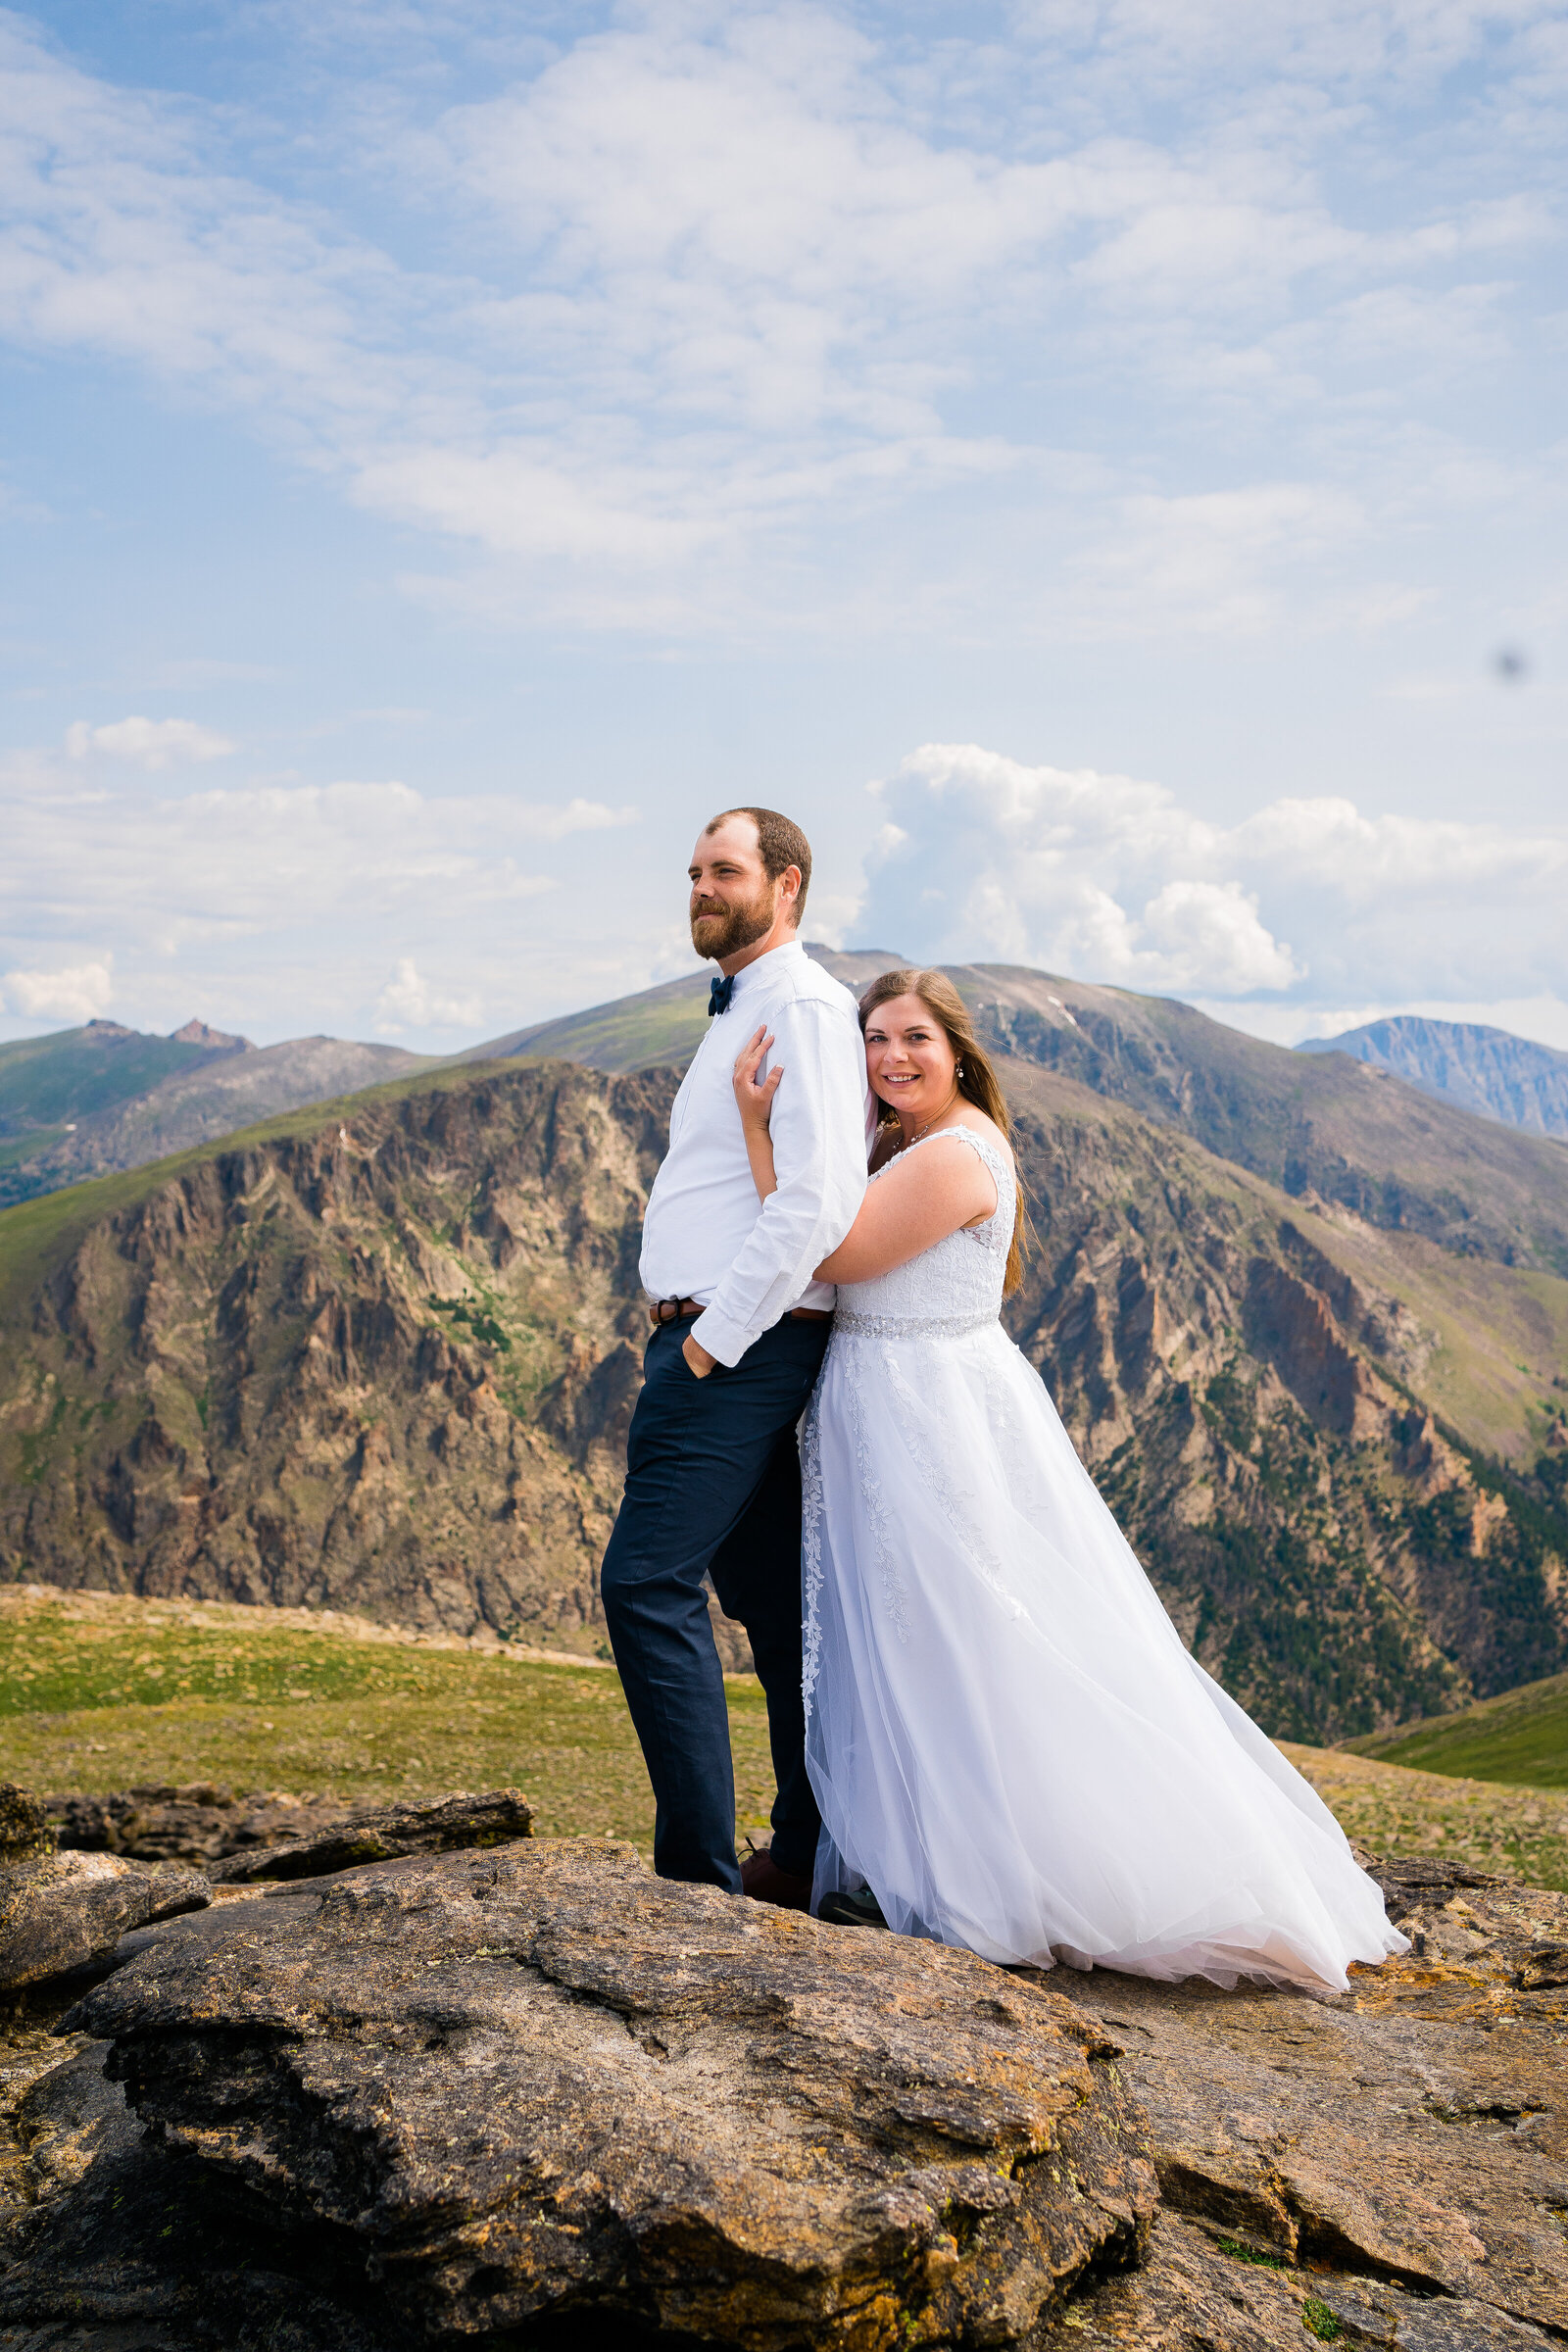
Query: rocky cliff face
[
  {"x": 390, "y": 1364},
  {"x": 1346, "y": 1132}
]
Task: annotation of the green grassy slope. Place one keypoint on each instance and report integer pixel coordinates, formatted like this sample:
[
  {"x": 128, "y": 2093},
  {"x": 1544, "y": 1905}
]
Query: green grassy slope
[
  {"x": 98, "y": 1691},
  {"x": 1520, "y": 1737},
  {"x": 47, "y": 1081},
  {"x": 658, "y": 1028}
]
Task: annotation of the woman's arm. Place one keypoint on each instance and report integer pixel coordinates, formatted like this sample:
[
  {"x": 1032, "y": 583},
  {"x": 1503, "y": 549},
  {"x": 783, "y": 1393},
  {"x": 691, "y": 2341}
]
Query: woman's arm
[
  {"x": 755, "y": 1103},
  {"x": 917, "y": 1204}
]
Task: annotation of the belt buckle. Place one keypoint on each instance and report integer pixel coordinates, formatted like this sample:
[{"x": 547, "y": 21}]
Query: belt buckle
[{"x": 660, "y": 1316}]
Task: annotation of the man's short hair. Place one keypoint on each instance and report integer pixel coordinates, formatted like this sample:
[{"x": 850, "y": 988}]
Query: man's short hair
[{"x": 781, "y": 843}]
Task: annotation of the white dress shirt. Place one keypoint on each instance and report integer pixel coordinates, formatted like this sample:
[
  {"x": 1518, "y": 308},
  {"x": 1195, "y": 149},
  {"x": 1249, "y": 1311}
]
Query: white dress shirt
[{"x": 705, "y": 1235}]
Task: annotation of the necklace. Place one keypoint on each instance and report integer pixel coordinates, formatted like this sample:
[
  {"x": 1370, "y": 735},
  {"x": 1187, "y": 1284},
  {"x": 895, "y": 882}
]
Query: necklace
[{"x": 929, "y": 1124}]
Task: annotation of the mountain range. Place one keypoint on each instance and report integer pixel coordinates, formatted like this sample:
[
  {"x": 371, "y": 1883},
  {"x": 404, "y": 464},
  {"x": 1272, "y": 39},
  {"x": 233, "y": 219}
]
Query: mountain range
[
  {"x": 1486, "y": 1070},
  {"x": 83, "y": 1102},
  {"x": 1328, "y": 1125},
  {"x": 86, "y": 1101},
  {"x": 1306, "y": 1325}
]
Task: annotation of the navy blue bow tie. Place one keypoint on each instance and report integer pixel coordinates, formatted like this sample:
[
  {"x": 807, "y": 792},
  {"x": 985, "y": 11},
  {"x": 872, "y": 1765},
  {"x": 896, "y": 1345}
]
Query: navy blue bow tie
[{"x": 719, "y": 993}]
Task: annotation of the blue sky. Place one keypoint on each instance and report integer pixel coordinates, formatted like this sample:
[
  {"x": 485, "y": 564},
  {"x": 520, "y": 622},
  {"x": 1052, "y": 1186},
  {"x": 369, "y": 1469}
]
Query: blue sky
[{"x": 1099, "y": 465}]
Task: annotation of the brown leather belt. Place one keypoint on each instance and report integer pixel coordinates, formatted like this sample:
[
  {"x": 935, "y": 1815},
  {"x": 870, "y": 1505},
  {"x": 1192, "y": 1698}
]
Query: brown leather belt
[{"x": 681, "y": 1311}]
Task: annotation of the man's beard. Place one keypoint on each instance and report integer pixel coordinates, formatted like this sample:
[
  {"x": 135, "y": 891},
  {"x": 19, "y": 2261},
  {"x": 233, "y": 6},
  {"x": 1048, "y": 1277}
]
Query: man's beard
[{"x": 738, "y": 927}]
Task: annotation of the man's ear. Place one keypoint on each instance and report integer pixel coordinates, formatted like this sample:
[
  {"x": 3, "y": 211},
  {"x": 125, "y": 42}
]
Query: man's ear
[{"x": 789, "y": 885}]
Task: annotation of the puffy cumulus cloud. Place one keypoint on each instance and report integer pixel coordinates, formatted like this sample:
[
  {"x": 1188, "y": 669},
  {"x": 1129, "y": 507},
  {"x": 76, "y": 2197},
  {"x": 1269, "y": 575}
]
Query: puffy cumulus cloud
[
  {"x": 77, "y": 991},
  {"x": 411, "y": 1001},
  {"x": 1209, "y": 933},
  {"x": 1111, "y": 878},
  {"x": 149, "y": 743}
]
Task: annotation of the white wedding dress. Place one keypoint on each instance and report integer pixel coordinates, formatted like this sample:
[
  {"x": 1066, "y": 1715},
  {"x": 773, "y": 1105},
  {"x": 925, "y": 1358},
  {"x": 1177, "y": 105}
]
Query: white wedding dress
[{"x": 1009, "y": 1744}]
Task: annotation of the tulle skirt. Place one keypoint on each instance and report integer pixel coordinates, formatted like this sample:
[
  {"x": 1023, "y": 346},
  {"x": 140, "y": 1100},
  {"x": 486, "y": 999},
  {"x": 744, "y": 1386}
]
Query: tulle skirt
[{"x": 1009, "y": 1741}]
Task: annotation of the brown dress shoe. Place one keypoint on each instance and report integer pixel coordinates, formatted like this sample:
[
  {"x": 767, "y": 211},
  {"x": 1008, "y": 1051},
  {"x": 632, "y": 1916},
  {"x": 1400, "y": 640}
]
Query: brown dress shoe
[{"x": 763, "y": 1880}]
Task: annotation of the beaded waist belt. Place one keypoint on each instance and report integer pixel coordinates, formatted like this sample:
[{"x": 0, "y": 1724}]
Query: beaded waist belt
[{"x": 912, "y": 1326}]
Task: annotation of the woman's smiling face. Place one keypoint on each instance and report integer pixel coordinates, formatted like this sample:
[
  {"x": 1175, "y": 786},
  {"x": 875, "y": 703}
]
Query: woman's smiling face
[{"x": 908, "y": 1059}]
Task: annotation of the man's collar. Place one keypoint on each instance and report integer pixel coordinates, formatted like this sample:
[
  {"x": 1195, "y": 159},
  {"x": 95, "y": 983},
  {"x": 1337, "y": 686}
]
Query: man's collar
[{"x": 787, "y": 951}]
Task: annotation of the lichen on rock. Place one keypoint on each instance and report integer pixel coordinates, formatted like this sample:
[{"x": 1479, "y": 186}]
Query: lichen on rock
[{"x": 63, "y": 1911}]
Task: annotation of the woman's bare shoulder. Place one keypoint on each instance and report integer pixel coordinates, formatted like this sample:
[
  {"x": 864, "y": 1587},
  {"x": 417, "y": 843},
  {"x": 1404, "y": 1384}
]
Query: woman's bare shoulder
[{"x": 975, "y": 1119}]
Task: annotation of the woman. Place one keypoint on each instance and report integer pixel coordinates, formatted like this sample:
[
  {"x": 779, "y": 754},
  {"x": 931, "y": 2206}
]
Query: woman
[{"x": 1011, "y": 1749}]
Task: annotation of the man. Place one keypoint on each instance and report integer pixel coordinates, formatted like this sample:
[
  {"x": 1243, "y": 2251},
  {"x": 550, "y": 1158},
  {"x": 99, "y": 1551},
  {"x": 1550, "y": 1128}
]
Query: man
[{"x": 740, "y": 1328}]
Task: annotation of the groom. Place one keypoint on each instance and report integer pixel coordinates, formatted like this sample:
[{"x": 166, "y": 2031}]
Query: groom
[{"x": 740, "y": 1329}]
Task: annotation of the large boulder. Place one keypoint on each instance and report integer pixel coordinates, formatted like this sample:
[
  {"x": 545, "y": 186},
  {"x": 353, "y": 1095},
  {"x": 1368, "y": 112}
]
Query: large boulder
[
  {"x": 63, "y": 1911},
  {"x": 541, "y": 2081},
  {"x": 108, "y": 2243}
]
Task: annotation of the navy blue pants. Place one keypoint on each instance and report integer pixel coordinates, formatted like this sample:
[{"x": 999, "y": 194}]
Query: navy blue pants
[{"x": 714, "y": 1484}]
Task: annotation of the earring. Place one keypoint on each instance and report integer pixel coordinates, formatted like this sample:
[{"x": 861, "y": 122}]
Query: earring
[{"x": 959, "y": 1070}]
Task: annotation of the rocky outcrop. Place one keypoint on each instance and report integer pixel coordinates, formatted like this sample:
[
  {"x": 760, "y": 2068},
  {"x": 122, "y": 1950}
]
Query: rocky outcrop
[
  {"x": 110, "y": 2245},
  {"x": 199, "y": 1821},
  {"x": 272, "y": 1836},
  {"x": 1291, "y": 1325},
  {"x": 63, "y": 1911},
  {"x": 1405, "y": 2142},
  {"x": 389, "y": 2110},
  {"x": 544, "y": 2084},
  {"x": 452, "y": 1824}
]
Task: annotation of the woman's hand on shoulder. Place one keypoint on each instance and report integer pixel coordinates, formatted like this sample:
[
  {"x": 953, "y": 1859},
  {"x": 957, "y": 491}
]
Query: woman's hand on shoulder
[{"x": 756, "y": 1096}]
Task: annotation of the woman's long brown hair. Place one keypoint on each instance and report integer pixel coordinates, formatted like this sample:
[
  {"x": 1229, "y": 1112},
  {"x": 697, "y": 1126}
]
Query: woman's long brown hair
[{"x": 979, "y": 1083}]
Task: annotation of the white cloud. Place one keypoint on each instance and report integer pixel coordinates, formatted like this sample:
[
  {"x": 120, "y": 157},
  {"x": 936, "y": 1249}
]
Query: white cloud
[
  {"x": 262, "y": 857},
  {"x": 149, "y": 743},
  {"x": 77, "y": 992},
  {"x": 738, "y": 287},
  {"x": 548, "y": 823},
  {"x": 282, "y": 907},
  {"x": 1211, "y": 937},
  {"x": 410, "y": 1002},
  {"x": 1105, "y": 877}
]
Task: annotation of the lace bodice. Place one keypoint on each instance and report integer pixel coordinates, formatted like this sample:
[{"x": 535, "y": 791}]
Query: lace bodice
[{"x": 951, "y": 1287}]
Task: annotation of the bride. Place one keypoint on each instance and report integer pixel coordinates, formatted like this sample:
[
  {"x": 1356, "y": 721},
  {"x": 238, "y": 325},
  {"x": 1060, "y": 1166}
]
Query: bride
[{"x": 1011, "y": 1749}]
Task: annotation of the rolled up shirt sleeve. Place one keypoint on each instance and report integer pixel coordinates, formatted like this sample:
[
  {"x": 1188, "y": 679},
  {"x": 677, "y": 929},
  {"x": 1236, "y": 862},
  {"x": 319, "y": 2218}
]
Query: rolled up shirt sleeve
[{"x": 819, "y": 1129}]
